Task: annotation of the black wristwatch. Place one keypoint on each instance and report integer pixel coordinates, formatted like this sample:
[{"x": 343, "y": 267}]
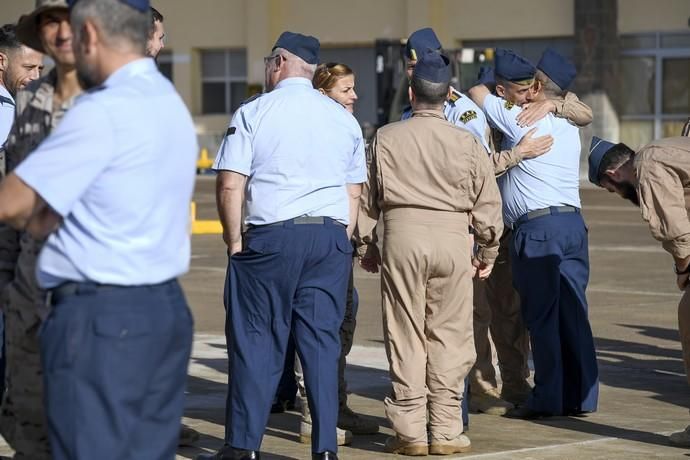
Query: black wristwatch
[{"x": 679, "y": 272}]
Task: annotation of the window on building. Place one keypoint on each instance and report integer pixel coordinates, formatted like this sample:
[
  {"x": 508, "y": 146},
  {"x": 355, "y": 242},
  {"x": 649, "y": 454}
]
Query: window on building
[
  {"x": 165, "y": 63},
  {"x": 223, "y": 80},
  {"x": 655, "y": 86}
]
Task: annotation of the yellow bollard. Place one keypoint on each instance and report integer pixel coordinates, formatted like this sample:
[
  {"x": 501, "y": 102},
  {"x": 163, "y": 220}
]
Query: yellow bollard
[
  {"x": 204, "y": 162},
  {"x": 203, "y": 227}
]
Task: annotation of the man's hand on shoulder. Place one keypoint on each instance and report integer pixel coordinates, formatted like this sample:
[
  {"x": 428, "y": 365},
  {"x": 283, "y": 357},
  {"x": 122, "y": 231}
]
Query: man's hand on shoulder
[
  {"x": 532, "y": 147},
  {"x": 532, "y": 112}
]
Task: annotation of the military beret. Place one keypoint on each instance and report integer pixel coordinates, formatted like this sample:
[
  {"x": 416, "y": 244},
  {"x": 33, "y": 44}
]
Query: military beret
[
  {"x": 513, "y": 67},
  {"x": 432, "y": 66},
  {"x": 305, "y": 47},
  {"x": 420, "y": 41},
  {"x": 597, "y": 150},
  {"x": 141, "y": 5},
  {"x": 557, "y": 67},
  {"x": 486, "y": 75}
]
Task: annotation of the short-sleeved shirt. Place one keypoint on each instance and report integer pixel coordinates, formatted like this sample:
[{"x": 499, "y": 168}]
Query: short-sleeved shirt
[
  {"x": 463, "y": 113},
  {"x": 119, "y": 170},
  {"x": 299, "y": 150},
  {"x": 7, "y": 107},
  {"x": 552, "y": 179}
]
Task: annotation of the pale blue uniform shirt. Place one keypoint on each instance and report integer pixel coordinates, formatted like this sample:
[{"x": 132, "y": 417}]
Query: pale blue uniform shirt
[
  {"x": 6, "y": 114},
  {"x": 120, "y": 170},
  {"x": 552, "y": 179},
  {"x": 299, "y": 150},
  {"x": 463, "y": 113}
]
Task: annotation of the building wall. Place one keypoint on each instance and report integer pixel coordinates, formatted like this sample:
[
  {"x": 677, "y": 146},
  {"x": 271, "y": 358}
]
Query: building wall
[
  {"x": 635, "y": 16},
  {"x": 254, "y": 25}
]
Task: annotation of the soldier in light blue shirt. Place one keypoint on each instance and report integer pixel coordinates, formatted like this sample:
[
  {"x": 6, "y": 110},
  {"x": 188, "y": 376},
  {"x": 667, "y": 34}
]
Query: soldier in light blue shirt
[
  {"x": 549, "y": 245},
  {"x": 459, "y": 109},
  {"x": 110, "y": 187},
  {"x": 295, "y": 158}
]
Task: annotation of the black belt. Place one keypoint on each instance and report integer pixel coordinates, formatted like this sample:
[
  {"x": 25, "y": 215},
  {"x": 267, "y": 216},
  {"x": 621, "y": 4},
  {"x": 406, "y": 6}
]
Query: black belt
[
  {"x": 302, "y": 220},
  {"x": 551, "y": 210},
  {"x": 71, "y": 288}
]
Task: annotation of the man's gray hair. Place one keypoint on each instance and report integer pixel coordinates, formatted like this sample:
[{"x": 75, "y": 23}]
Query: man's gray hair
[
  {"x": 122, "y": 25},
  {"x": 549, "y": 87},
  {"x": 295, "y": 65}
]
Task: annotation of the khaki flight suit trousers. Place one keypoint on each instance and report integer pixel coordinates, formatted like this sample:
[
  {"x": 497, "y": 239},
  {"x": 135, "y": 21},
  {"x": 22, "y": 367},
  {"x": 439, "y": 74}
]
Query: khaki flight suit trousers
[
  {"x": 497, "y": 309},
  {"x": 426, "y": 286}
]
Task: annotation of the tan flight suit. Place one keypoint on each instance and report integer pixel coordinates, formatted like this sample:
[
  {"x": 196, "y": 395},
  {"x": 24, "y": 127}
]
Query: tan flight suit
[
  {"x": 663, "y": 173},
  {"x": 431, "y": 180},
  {"x": 497, "y": 303},
  {"x": 22, "y": 420}
]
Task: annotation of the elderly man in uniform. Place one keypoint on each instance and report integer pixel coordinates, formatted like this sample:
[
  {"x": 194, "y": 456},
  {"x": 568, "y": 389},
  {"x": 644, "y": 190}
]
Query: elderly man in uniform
[
  {"x": 657, "y": 179},
  {"x": 548, "y": 249},
  {"x": 40, "y": 108},
  {"x": 497, "y": 304},
  {"x": 427, "y": 288},
  {"x": 116, "y": 343},
  {"x": 295, "y": 159}
]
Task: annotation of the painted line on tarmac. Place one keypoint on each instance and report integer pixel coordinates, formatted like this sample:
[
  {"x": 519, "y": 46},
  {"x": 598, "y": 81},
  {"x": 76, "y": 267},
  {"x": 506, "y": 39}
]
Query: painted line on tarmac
[
  {"x": 611, "y": 208},
  {"x": 208, "y": 269},
  {"x": 616, "y": 248},
  {"x": 632, "y": 292},
  {"x": 535, "y": 449},
  {"x": 615, "y": 223}
]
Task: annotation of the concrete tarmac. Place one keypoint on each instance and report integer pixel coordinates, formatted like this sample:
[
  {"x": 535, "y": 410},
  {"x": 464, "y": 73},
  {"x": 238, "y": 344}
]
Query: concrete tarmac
[{"x": 633, "y": 310}]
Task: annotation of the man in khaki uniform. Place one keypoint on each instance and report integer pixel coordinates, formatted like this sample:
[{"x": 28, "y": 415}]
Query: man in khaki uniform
[
  {"x": 40, "y": 108},
  {"x": 497, "y": 304},
  {"x": 424, "y": 170},
  {"x": 657, "y": 179}
]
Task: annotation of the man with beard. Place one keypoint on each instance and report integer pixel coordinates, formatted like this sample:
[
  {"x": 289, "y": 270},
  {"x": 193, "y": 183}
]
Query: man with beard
[
  {"x": 657, "y": 179},
  {"x": 40, "y": 108},
  {"x": 156, "y": 40},
  {"x": 116, "y": 342},
  {"x": 19, "y": 65}
]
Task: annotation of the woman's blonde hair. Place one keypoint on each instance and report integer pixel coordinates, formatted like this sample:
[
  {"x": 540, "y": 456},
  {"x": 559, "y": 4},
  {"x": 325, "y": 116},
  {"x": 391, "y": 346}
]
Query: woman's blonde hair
[{"x": 328, "y": 74}]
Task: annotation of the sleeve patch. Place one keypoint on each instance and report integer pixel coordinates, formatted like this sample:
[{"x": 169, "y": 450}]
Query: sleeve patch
[{"x": 468, "y": 116}]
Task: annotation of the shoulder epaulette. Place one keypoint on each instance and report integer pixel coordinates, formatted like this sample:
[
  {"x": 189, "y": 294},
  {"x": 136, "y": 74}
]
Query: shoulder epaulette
[
  {"x": 455, "y": 95},
  {"x": 6, "y": 100},
  {"x": 252, "y": 98}
]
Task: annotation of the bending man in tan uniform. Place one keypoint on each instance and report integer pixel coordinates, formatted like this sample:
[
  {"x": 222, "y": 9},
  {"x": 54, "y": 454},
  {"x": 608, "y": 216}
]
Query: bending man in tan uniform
[
  {"x": 657, "y": 179},
  {"x": 424, "y": 170}
]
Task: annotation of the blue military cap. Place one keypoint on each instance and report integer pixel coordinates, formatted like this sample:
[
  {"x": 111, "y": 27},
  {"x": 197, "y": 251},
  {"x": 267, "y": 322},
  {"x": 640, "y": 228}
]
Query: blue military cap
[
  {"x": 597, "y": 149},
  {"x": 141, "y": 5},
  {"x": 304, "y": 46},
  {"x": 557, "y": 67},
  {"x": 420, "y": 41},
  {"x": 432, "y": 66},
  {"x": 513, "y": 67}
]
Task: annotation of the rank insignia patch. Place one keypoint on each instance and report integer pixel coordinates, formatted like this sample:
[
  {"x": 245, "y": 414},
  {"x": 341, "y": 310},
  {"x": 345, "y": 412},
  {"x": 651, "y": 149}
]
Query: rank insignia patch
[
  {"x": 509, "y": 105},
  {"x": 468, "y": 116}
]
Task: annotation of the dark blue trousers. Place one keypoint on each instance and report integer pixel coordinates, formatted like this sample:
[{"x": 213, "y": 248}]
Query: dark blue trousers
[
  {"x": 550, "y": 262},
  {"x": 115, "y": 370},
  {"x": 289, "y": 279}
]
